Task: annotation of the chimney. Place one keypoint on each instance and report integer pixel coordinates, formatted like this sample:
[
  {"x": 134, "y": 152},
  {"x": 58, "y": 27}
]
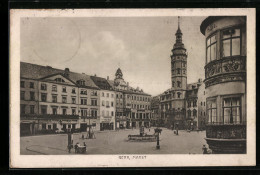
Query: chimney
[
  {"x": 66, "y": 72},
  {"x": 107, "y": 77},
  {"x": 95, "y": 75},
  {"x": 137, "y": 88}
]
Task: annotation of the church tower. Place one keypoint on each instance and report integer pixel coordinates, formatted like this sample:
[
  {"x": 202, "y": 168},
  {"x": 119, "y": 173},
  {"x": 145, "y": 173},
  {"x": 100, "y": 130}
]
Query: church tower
[
  {"x": 179, "y": 64},
  {"x": 179, "y": 80}
]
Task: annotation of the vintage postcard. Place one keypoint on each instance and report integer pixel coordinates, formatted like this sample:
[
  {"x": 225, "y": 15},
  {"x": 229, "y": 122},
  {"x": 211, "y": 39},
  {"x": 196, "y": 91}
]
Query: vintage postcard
[{"x": 132, "y": 88}]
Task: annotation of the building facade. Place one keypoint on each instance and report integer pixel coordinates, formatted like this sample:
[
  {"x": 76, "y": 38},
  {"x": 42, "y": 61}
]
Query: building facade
[
  {"x": 54, "y": 99},
  {"x": 225, "y": 83},
  {"x": 132, "y": 104},
  {"x": 107, "y": 103}
]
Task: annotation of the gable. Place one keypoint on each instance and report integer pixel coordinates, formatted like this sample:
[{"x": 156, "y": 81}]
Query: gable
[{"x": 58, "y": 78}]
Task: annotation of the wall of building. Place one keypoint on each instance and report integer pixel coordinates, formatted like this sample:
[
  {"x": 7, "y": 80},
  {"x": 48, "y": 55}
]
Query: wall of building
[{"x": 107, "y": 107}]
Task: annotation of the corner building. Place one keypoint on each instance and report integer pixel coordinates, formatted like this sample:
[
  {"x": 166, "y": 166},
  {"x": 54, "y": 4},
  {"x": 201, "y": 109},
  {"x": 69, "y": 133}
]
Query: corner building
[{"x": 225, "y": 83}]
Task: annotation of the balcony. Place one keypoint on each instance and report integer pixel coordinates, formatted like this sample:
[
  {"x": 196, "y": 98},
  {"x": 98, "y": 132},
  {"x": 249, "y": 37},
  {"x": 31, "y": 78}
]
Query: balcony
[{"x": 225, "y": 70}]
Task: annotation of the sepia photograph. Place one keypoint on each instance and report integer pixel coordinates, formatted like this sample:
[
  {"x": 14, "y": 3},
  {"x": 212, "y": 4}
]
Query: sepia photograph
[{"x": 143, "y": 86}]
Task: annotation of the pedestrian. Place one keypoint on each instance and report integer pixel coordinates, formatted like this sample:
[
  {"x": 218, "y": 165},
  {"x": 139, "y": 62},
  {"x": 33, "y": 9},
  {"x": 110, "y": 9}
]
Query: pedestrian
[
  {"x": 82, "y": 136},
  {"x": 84, "y": 144}
]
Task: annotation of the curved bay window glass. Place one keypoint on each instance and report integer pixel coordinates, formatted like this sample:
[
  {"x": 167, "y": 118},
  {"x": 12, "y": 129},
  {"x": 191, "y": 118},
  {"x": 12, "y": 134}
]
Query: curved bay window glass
[
  {"x": 231, "y": 42},
  {"x": 212, "y": 111},
  {"x": 232, "y": 110},
  {"x": 211, "y": 48}
]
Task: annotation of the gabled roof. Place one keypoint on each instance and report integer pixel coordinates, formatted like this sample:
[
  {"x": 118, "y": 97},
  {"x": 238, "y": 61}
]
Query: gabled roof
[
  {"x": 102, "y": 83},
  {"x": 34, "y": 71}
]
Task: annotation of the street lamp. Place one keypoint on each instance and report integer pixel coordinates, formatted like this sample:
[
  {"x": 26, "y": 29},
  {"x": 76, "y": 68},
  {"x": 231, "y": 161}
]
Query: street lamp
[{"x": 157, "y": 131}]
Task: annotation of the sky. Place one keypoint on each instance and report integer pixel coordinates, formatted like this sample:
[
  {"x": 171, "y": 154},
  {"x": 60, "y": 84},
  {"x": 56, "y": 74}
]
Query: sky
[{"x": 140, "y": 46}]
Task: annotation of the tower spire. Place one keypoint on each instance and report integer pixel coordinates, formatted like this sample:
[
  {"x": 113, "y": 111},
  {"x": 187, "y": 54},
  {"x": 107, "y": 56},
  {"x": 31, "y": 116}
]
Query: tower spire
[{"x": 178, "y": 22}]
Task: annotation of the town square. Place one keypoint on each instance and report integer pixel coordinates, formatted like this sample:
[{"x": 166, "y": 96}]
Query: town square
[{"x": 161, "y": 85}]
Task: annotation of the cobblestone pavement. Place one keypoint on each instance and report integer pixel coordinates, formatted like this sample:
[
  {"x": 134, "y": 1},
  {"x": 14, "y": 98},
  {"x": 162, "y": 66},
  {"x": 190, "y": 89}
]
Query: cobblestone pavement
[{"x": 115, "y": 142}]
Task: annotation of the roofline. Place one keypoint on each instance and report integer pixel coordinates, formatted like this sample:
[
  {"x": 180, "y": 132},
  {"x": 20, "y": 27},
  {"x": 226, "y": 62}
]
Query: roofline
[{"x": 207, "y": 21}]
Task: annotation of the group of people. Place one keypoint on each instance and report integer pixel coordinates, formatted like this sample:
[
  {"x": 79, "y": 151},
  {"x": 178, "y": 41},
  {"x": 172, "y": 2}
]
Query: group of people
[{"x": 78, "y": 148}]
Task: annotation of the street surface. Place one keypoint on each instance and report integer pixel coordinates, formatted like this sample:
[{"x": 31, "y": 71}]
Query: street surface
[{"x": 115, "y": 142}]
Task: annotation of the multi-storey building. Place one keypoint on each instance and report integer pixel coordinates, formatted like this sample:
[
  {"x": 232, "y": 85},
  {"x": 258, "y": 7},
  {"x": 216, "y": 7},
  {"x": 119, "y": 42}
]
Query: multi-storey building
[
  {"x": 225, "y": 82},
  {"x": 54, "y": 99},
  {"x": 195, "y": 99},
  {"x": 107, "y": 103},
  {"x": 155, "y": 111},
  {"x": 132, "y": 104}
]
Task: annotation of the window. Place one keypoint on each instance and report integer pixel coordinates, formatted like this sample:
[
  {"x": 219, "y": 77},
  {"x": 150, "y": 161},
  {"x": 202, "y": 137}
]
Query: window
[
  {"x": 137, "y": 98},
  {"x": 94, "y": 113},
  {"x": 73, "y": 100},
  {"x": 83, "y": 91},
  {"x": 31, "y": 85},
  {"x": 107, "y": 103},
  {"x": 212, "y": 111},
  {"x": 94, "y": 102},
  {"x": 179, "y": 95},
  {"x": 112, "y": 95},
  {"x": 173, "y": 84},
  {"x": 54, "y": 98},
  {"x": 107, "y": 113},
  {"x": 112, "y": 113},
  {"x": 22, "y": 95},
  {"x": 43, "y": 87},
  {"x": 112, "y": 104},
  {"x": 22, "y": 110},
  {"x": 83, "y": 101},
  {"x": 184, "y": 64},
  {"x": 201, "y": 103},
  {"x": 73, "y": 91},
  {"x": 178, "y": 83},
  {"x": 64, "y": 89},
  {"x": 84, "y": 112},
  {"x": 232, "y": 110},
  {"x": 121, "y": 96},
  {"x": 64, "y": 111},
  {"x": 194, "y": 112},
  {"x": 54, "y": 111},
  {"x": 178, "y": 71},
  {"x": 189, "y": 104},
  {"x": 49, "y": 126},
  {"x": 54, "y": 88},
  {"x": 195, "y": 103},
  {"x": 43, "y": 126},
  {"x": 103, "y": 94},
  {"x": 32, "y": 97},
  {"x": 211, "y": 48},
  {"x": 107, "y": 94},
  {"x": 230, "y": 42},
  {"x": 204, "y": 103},
  {"x": 64, "y": 99},
  {"x": 94, "y": 93},
  {"x": 59, "y": 80},
  {"x": 44, "y": 109},
  {"x": 116, "y": 95},
  {"x": 43, "y": 97},
  {"x": 73, "y": 111},
  {"x": 22, "y": 84}
]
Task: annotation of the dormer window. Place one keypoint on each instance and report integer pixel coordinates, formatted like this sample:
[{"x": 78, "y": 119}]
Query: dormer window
[
  {"x": 81, "y": 82},
  {"x": 59, "y": 80}
]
